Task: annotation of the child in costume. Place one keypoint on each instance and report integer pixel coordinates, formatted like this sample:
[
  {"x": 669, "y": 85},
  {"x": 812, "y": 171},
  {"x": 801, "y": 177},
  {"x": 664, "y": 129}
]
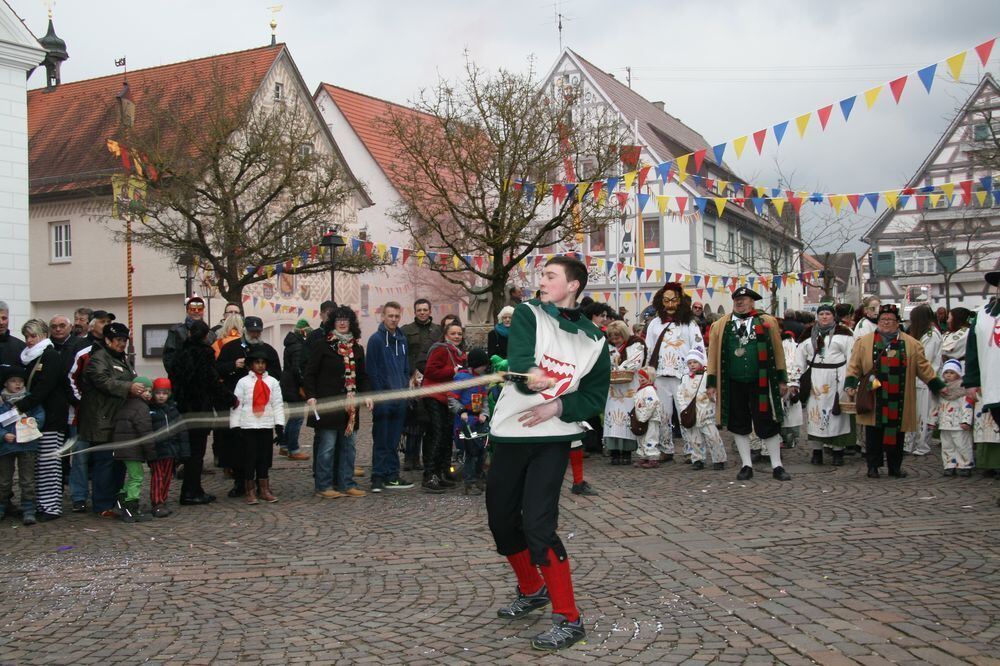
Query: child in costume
[
  {"x": 648, "y": 410},
  {"x": 19, "y": 444},
  {"x": 954, "y": 421},
  {"x": 471, "y": 409},
  {"x": 704, "y": 436}
]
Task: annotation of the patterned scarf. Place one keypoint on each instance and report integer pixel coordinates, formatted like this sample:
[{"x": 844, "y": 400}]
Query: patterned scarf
[
  {"x": 261, "y": 394},
  {"x": 345, "y": 347},
  {"x": 889, "y": 356}
]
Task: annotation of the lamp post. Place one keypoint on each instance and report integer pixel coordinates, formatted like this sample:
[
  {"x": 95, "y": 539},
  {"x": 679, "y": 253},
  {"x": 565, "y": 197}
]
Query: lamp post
[
  {"x": 332, "y": 240},
  {"x": 185, "y": 263}
]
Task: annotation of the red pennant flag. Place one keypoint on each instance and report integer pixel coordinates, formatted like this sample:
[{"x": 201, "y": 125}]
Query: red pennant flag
[
  {"x": 701, "y": 293},
  {"x": 854, "y": 199},
  {"x": 479, "y": 262},
  {"x": 558, "y": 193},
  {"x": 622, "y": 199},
  {"x": 709, "y": 184},
  {"x": 920, "y": 199},
  {"x": 643, "y": 172},
  {"x": 966, "y": 186},
  {"x": 984, "y": 50},
  {"x": 758, "y": 139},
  {"x": 699, "y": 157},
  {"x": 908, "y": 191},
  {"x": 406, "y": 255},
  {"x": 126, "y": 161},
  {"x": 630, "y": 155},
  {"x": 824, "y": 115},
  {"x": 796, "y": 203},
  {"x": 538, "y": 260},
  {"x": 621, "y": 265},
  {"x": 596, "y": 188},
  {"x": 747, "y": 191},
  {"x": 681, "y": 203},
  {"x": 369, "y": 248},
  {"x": 897, "y": 87},
  {"x": 607, "y": 296}
]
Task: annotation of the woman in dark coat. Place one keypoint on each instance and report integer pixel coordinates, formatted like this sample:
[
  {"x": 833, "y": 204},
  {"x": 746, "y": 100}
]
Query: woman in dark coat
[
  {"x": 496, "y": 341},
  {"x": 336, "y": 369},
  {"x": 48, "y": 388},
  {"x": 198, "y": 389},
  {"x": 444, "y": 360}
]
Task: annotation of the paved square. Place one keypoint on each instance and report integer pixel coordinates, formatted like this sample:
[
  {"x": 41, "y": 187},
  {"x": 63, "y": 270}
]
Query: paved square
[{"x": 670, "y": 565}]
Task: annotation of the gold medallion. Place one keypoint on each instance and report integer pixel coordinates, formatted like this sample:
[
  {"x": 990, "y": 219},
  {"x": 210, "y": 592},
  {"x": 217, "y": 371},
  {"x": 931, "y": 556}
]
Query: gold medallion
[
  {"x": 891, "y": 353},
  {"x": 739, "y": 351}
]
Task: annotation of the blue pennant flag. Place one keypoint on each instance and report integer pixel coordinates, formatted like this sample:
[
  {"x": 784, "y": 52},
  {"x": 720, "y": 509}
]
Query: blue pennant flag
[
  {"x": 986, "y": 182},
  {"x": 750, "y": 281},
  {"x": 250, "y": 269},
  {"x": 394, "y": 252},
  {"x": 817, "y": 197},
  {"x": 872, "y": 198},
  {"x": 697, "y": 179},
  {"x": 701, "y": 202},
  {"x": 927, "y": 189},
  {"x": 642, "y": 199},
  {"x": 779, "y": 131},
  {"x": 775, "y": 192},
  {"x": 279, "y": 269},
  {"x": 903, "y": 199},
  {"x": 432, "y": 257},
  {"x": 927, "y": 76},
  {"x": 613, "y": 183},
  {"x": 758, "y": 204},
  {"x": 996, "y": 195},
  {"x": 846, "y": 105},
  {"x": 570, "y": 189},
  {"x": 697, "y": 279},
  {"x": 719, "y": 150},
  {"x": 663, "y": 171},
  {"x": 355, "y": 245},
  {"x": 529, "y": 191},
  {"x": 711, "y": 291}
]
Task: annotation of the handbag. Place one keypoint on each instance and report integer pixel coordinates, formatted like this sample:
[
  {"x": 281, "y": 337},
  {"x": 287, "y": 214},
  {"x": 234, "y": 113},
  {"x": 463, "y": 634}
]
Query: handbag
[
  {"x": 864, "y": 401},
  {"x": 638, "y": 428},
  {"x": 689, "y": 415}
]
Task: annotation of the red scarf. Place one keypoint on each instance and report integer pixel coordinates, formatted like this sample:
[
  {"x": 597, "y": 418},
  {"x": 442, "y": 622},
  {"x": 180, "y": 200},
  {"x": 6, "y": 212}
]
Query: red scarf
[{"x": 261, "y": 395}]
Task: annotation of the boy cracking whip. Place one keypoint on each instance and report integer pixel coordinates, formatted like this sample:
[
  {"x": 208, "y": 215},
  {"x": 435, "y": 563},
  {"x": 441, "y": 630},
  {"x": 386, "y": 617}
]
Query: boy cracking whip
[{"x": 566, "y": 359}]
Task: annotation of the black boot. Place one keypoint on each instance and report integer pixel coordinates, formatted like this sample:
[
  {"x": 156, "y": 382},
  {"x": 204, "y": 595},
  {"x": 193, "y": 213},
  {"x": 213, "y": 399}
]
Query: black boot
[
  {"x": 626, "y": 458},
  {"x": 817, "y": 457},
  {"x": 698, "y": 464},
  {"x": 838, "y": 458},
  {"x": 238, "y": 489},
  {"x": 616, "y": 457},
  {"x": 873, "y": 472},
  {"x": 745, "y": 473}
]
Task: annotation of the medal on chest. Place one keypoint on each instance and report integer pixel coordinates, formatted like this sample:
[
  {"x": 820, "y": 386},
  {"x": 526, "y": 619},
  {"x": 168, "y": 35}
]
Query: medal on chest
[{"x": 739, "y": 351}]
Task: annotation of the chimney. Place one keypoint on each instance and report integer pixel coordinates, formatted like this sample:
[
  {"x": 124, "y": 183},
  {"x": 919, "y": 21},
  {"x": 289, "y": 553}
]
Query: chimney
[{"x": 658, "y": 105}]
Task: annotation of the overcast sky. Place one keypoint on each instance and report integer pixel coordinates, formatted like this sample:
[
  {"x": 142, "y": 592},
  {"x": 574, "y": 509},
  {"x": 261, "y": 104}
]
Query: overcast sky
[{"x": 725, "y": 68}]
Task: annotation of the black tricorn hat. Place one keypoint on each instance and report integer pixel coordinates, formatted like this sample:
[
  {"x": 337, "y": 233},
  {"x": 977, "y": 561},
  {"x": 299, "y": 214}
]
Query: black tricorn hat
[{"x": 746, "y": 291}]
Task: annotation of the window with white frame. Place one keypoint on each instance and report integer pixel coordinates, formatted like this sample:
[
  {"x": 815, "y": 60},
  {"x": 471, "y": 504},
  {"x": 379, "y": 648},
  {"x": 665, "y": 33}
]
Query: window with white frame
[
  {"x": 731, "y": 242},
  {"x": 915, "y": 262},
  {"x": 746, "y": 251},
  {"x": 61, "y": 242},
  {"x": 710, "y": 240},
  {"x": 279, "y": 92}
]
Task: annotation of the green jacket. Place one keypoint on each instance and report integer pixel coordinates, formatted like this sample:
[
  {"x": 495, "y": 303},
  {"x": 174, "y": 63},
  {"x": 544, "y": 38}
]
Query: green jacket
[{"x": 106, "y": 383}]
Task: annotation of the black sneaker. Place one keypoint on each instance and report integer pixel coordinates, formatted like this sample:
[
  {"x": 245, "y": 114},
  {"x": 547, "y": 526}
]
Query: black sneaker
[
  {"x": 160, "y": 511},
  {"x": 524, "y": 604},
  {"x": 28, "y": 519},
  {"x": 561, "y": 635},
  {"x": 445, "y": 483},
  {"x": 780, "y": 474},
  {"x": 377, "y": 485},
  {"x": 817, "y": 457},
  {"x": 583, "y": 489},
  {"x": 697, "y": 464},
  {"x": 44, "y": 517},
  {"x": 745, "y": 473},
  {"x": 80, "y": 506},
  {"x": 398, "y": 484},
  {"x": 433, "y": 486}
]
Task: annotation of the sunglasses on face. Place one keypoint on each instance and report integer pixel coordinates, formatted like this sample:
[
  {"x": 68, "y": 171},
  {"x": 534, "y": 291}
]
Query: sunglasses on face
[{"x": 196, "y": 308}]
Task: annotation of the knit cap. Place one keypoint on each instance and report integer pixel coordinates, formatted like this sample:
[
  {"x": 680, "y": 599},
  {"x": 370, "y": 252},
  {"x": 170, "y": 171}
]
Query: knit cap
[
  {"x": 954, "y": 365},
  {"x": 145, "y": 381},
  {"x": 696, "y": 355},
  {"x": 161, "y": 384}
]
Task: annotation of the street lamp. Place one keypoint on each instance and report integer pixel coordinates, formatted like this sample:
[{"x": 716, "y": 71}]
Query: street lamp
[
  {"x": 332, "y": 240},
  {"x": 185, "y": 265}
]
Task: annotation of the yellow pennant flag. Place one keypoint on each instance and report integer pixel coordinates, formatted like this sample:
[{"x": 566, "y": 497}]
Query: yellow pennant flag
[
  {"x": 421, "y": 255},
  {"x": 456, "y": 261},
  {"x": 682, "y": 176},
  {"x": 948, "y": 189},
  {"x": 721, "y": 185},
  {"x": 837, "y": 201},
  {"x": 720, "y": 205},
  {"x": 628, "y": 272},
  {"x": 892, "y": 198},
  {"x": 981, "y": 197},
  {"x": 380, "y": 247},
  {"x": 682, "y": 164},
  {"x": 872, "y": 95},
  {"x": 934, "y": 199},
  {"x": 629, "y": 178},
  {"x": 738, "y": 145},
  {"x": 743, "y": 280},
  {"x": 602, "y": 198},
  {"x": 802, "y": 122},
  {"x": 779, "y": 204},
  {"x": 955, "y": 64},
  {"x": 523, "y": 263},
  {"x": 663, "y": 202},
  {"x": 581, "y": 191},
  {"x": 761, "y": 191}
]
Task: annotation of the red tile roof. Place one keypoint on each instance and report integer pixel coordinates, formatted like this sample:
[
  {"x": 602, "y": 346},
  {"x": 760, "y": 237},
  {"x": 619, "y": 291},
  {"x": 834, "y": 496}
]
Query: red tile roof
[
  {"x": 68, "y": 127},
  {"x": 362, "y": 113}
]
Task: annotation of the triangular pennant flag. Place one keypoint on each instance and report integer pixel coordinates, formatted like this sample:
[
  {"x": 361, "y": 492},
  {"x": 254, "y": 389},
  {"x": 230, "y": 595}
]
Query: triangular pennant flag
[
  {"x": 981, "y": 197},
  {"x": 871, "y": 96},
  {"x": 622, "y": 199},
  {"x": 920, "y": 200},
  {"x": 432, "y": 257},
  {"x": 837, "y": 202},
  {"x": 720, "y": 205},
  {"x": 681, "y": 204},
  {"x": 966, "y": 186},
  {"x": 779, "y": 131},
  {"x": 984, "y": 49},
  {"x": 750, "y": 280},
  {"x": 738, "y": 145},
  {"x": 718, "y": 151},
  {"x": 570, "y": 189},
  {"x": 393, "y": 252},
  {"x": 955, "y": 64},
  {"x": 596, "y": 188},
  {"x": 642, "y": 198},
  {"x": 896, "y": 86},
  {"x": 796, "y": 203},
  {"x": 986, "y": 182},
  {"x": 802, "y": 122},
  {"x": 607, "y": 296},
  {"x": 758, "y": 139},
  {"x": 779, "y": 205},
  {"x": 355, "y": 245},
  {"x": 934, "y": 199},
  {"x": 700, "y": 203},
  {"x": 613, "y": 183},
  {"x": 846, "y": 105},
  {"x": 711, "y": 291},
  {"x": 872, "y": 198},
  {"x": 758, "y": 204},
  {"x": 663, "y": 172},
  {"x": 699, "y": 157},
  {"x": 629, "y": 179},
  {"x": 891, "y": 198},
  {"x": 662, "y": 202},
  {"x": 824, "y": 115},
  {"x": 406, "y": 255},
  {"x": 927, "y": 76},
  {"x": 643, "y": 173},
  {"x": 948, "y": 189},
  {"x": 581, "y": 191},
  {"x": 854, "y": 199},
  {"x": 996, "y": 196},
  {"x": 903, "y": 200},
  {"x": 721, "y": 186},
  {"x": 682, "y": 163}
]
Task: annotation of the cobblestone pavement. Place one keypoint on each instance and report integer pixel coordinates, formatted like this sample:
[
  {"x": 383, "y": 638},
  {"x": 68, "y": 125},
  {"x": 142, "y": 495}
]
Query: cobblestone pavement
[{"x": 670, "y": 565}]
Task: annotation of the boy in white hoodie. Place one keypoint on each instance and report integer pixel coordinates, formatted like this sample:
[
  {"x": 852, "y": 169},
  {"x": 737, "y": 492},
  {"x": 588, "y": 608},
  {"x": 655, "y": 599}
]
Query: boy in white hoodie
[
  {"x": 705, "y": 434},
  {"x": 259, "y": 415}
]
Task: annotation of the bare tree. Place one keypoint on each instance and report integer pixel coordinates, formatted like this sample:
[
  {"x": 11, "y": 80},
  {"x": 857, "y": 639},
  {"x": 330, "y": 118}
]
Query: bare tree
[
  {"x": 477, "y": 171},
  {"x": 241, "y": 183},
  {"x": 766, "y": 259},
  {"x": 967, "y": 241}
]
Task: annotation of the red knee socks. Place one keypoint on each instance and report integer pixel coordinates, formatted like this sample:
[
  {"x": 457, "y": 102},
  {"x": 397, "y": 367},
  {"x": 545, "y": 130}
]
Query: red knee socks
[
  {"x": 560, "y": 584},
  {"x": 576, "y": 462},
  {"x": 528, "y": 579}
]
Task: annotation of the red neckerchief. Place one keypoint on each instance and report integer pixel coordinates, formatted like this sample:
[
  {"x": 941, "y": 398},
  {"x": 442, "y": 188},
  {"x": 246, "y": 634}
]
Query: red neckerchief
[{"x": 261, "y": 394}]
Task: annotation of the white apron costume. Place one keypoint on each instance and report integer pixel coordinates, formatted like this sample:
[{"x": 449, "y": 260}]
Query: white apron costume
[
  {"x": 621, "y": 397},
  {"x": 956, "y": 443},
  {"x": 671, "y": 365},
  {"x": 827, "y": 383},
  {"x": 918, "y": 442},
  {"x": 648, "y": 410},
  {"x": 793, "y": 411},
  {"x": 704, "y": 436}
]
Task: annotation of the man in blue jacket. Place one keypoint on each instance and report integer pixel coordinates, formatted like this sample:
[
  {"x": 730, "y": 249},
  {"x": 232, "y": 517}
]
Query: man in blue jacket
[{"x": 388, "y": 370}]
